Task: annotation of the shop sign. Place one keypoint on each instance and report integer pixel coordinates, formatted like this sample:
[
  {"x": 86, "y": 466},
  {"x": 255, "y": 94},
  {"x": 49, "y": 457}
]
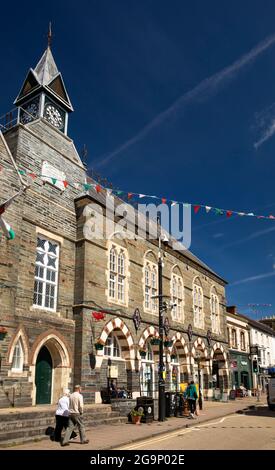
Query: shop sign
[
  {"x": 243, "y": 363},
  {"x": 234, "y": 364}
]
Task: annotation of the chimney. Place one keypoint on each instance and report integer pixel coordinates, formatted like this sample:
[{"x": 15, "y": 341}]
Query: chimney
[{"x": 232, "y": 309}]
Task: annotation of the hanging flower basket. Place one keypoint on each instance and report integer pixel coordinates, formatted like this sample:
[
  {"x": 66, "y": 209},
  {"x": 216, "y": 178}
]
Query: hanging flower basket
[
  {"x": 168, "y": 343},
  {"x": 155, "y": 341},
  {"x": 142, "y": 353},
  {"x": 99, "y": 346},
  {"x": 173, "y": 356},
  {"x": 3, "y": 332}
]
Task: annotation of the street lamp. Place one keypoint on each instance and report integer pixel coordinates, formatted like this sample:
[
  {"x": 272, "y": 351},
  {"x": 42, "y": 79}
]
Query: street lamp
[{"x": 198, "y": 360}]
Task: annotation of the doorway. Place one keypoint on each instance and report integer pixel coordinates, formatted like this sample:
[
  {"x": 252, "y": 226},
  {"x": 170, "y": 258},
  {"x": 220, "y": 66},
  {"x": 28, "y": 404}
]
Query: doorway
[{"x": 43, "y": 376}]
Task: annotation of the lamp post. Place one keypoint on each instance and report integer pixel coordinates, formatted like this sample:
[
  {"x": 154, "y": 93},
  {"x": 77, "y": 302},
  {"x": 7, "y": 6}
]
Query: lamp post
[
  {"x": 198, "y": 360},
  {"x": 161, "y": 384}
]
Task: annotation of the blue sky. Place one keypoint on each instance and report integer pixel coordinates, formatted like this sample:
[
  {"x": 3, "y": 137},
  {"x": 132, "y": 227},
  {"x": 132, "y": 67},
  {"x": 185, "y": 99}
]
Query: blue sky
[{"x": 175, "y": 99}]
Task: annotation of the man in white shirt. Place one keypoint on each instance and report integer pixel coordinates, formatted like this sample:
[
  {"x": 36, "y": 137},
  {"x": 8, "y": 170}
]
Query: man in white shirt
[{"x": 75, "y": 417}]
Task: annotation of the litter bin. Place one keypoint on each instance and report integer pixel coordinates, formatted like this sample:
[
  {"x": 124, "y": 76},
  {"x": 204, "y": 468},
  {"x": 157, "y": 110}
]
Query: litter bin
[
  {"x": 179, "y": 402},
  {"x": 147, "y": 403}
]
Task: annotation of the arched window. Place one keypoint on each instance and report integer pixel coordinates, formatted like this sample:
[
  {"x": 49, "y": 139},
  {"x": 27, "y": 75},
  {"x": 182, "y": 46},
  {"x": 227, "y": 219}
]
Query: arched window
[
  {"x": 117, "y": 274},
  {"x": 150, "y": 287},
  {"x": 177, "y": 294},
  {"x": 198, "y": 305},
  {"x": 215, "y": 311},
  {"x": 242, "y": 341},
  {"x": 234, "y": 339},
  {"x": 18, "y": 357},
  {"x": 111, "y": 348}
]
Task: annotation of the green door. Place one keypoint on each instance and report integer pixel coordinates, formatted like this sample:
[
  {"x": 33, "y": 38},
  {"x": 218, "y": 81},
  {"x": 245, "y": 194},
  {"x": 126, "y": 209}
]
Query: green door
[{"x": 43, "y": 377}]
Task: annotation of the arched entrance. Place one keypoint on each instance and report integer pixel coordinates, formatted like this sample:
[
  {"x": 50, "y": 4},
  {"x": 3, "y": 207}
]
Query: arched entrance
[
  {"x": 43, "y": 376},
  {"x": 219, "y": 365}
]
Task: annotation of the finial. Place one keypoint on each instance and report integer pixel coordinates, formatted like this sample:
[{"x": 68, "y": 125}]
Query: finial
[{"x": 50, "y": 34}]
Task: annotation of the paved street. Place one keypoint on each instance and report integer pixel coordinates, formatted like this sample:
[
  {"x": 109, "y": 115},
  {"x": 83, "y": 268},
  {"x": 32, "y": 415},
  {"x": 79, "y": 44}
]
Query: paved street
[{"x": 252, "y": 431}]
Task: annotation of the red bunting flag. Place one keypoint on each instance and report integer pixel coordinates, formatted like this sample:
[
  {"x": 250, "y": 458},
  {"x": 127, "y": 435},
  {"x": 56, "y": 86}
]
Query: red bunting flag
[
  {"x": 98, "y": 315},
  {"x": 32, "y": 175},
  {"x": 130, "y": 195},
  {"x": 229, "y": 213},
  {"x": 98, "y": 188},
  {"x": 271, "y": 217},
  {"x": 163, "y": 200},
  {"x": 196, "y": 209},
  {"x": 65, "y": 183}
]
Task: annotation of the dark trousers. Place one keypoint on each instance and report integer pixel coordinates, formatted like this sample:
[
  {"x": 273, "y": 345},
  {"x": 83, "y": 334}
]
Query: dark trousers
[
  {"x": 192, "y": 405},
  {"x": 60, "y": 423}
]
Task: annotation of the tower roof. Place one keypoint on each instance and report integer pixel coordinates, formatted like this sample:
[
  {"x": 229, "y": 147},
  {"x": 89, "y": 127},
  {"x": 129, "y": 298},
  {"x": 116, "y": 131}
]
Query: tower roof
[
  {"x": 44, "y": 76},
  {"x": 46, "y": 69}
]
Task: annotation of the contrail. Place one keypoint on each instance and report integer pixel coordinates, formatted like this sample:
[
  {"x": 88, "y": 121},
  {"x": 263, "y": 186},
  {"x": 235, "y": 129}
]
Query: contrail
[
  {"x": 208, "y": 86},
  {"x": 252, "y": 278}
]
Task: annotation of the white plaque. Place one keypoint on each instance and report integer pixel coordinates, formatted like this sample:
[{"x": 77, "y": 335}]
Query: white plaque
[{"x": 53, "y": 176}]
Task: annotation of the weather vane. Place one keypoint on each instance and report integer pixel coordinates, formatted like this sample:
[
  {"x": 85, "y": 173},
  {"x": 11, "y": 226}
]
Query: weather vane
[{"x": 50, "y": 34}]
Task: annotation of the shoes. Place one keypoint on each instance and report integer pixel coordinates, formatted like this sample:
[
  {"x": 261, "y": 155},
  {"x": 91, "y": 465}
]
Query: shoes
[
  {"x": 65, "y": 444},
  {"x": 85, "y": 442}
]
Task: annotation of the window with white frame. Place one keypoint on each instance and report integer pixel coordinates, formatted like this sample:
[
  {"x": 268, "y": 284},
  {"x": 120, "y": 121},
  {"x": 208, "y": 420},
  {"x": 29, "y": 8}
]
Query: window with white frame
[
  {"x": 18, "y": 357},
  {"x": 215, "y": 311},
  {"x": 198, "y": 306},
  {"x": 46, "y": 274},
  {"x": 117, "y": 274},
  {"x": 177, "y": 291},
  {"x": 111, "y": 347},
  {"x": 228, "y": 337},
  {"x": 150, "y": 287}
]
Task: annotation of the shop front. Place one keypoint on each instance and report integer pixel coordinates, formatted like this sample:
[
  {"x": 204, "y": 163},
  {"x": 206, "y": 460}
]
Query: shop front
[{"x": 240, "y": 370}]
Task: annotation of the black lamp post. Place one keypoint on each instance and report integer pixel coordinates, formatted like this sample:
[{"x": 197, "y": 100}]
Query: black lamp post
[
  {"x": 198, "y": 360},
  {"x": 161, "y": 384}
]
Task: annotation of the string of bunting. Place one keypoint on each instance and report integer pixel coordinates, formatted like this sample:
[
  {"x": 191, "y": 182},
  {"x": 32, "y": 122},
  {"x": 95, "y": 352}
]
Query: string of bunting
[{"x": 130, "y": 196}]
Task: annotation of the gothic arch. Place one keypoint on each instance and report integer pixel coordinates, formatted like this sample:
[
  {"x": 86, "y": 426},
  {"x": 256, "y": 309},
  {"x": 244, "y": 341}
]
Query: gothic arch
[
  {"x": 149, "y": 331},
  {"x": 19, "y": 334},
  {"x": 125, "y": 340}
]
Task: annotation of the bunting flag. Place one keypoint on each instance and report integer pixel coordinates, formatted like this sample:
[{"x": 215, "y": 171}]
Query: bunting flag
[
  {"x": 98, "y": 315},
  {"x": 7, "y": 230},
  {"x": 130, "y": 195}
]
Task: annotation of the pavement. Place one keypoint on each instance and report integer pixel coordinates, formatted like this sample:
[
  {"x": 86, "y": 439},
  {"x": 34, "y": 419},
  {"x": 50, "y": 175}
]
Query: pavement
[{"x": 107, "y": 437}]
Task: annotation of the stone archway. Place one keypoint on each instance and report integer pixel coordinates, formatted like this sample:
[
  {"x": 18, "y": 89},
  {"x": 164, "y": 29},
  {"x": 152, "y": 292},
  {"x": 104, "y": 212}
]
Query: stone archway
[
  {"x": 50, "y": 361},
  {"x": 200, "y": 366},
  {"x": 179, "y": 361},
  {"x": 219, "y": 368}
]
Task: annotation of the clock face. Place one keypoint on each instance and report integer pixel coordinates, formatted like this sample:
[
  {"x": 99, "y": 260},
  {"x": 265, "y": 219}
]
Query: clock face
[
  {"x": 30, "y": 112},
  {"x": 54, "y": 116}
]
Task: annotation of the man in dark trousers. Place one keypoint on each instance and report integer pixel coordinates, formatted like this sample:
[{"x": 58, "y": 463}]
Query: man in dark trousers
[{"x": 75, "y": 417}]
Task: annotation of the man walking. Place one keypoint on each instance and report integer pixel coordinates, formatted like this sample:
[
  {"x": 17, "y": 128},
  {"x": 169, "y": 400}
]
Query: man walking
[
  {"x": 191, "y": 394},
  {"x": 75, "y": 417}
]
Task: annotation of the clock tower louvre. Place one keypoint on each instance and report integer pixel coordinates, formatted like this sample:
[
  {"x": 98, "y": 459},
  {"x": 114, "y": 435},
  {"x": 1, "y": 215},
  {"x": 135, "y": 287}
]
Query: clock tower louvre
[{"x": 43, "y": 95}]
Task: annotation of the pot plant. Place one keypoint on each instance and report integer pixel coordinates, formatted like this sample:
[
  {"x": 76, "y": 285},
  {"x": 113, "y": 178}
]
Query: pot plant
[
  {"x": 168, "y": 343},
  {"x": 142, "y": 353},
  {"x": 99, "y": 346},
  {"x": 136, "y": 415}
]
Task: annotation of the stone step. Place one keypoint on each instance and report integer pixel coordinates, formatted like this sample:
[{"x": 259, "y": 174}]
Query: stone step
[
  {"x": 50, "y": 421},
  {"x": 13, "y": 438}
]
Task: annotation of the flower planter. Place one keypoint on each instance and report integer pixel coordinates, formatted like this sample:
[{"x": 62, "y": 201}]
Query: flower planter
[
  {"x": 136, "y": 419},
  {"x": 99, "y": 346},
  {"x": 168, "y": 344},
  {"x": 142, "y": 354}
]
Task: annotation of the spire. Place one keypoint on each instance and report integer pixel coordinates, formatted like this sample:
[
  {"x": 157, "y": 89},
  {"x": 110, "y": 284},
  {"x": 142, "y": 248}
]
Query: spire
[{"x": 46, "y": 69}]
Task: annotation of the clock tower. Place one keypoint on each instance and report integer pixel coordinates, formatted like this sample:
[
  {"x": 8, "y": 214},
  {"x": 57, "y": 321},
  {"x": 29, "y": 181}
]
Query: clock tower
[{"x": 43, "y": 95}]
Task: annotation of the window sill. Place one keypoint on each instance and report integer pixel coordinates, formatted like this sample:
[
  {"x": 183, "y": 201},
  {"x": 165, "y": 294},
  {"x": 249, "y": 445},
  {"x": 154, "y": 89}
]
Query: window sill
[
  {"x": 116, "y": 302},
  {"x": 34, "y": 308},
  {"x": 17, "y": 373}
]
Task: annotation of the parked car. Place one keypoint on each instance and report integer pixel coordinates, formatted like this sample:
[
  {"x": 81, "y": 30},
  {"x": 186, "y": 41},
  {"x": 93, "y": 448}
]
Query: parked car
[{"x": 271, "y": 393}]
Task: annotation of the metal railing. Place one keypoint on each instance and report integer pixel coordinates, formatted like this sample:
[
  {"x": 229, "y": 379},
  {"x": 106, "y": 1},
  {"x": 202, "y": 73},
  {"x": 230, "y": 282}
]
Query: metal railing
[{"x": 13, "y": 117}]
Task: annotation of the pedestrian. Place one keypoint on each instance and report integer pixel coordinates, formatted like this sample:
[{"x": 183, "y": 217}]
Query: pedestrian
[
  {"x": 191, "y": 394},
  {"x": 62, "y": 415},
  {"x": 75, "y": 417}
]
